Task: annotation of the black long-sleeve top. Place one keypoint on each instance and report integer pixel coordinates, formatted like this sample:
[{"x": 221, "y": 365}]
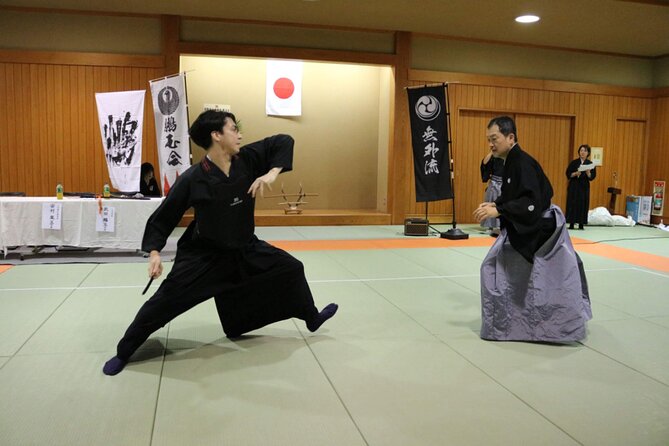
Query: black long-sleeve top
[
  {"x": 149, "y": 190},
  {"x": 494, "y": 166},
  {"x": 223, "y": 207},
  {"x": 526, "y": 194},
  {"x": 582, "y": 180}
]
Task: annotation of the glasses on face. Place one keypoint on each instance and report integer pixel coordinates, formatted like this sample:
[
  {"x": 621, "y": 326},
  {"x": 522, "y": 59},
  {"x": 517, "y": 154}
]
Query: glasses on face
[{"x": 234, "y": 129}]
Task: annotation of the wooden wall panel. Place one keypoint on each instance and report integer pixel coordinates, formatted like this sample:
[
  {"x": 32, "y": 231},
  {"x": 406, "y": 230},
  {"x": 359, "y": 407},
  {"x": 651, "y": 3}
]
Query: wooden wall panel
[
  {"x": 549, "y": 140},
  {"x": 630, "y": 139},
  {"x": 471, "y": 148},
  {"x": 49, "y": 130},
  {"x": 658, "y": 149},
  {"x": 551, "y": 125}
]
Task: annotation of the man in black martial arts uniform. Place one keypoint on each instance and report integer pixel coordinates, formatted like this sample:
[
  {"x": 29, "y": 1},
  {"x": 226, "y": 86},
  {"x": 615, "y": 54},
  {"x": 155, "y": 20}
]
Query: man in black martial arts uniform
[
  {"x": 526, "y": 192},
  {"x": 253, "y": 283},
  {"x": 533, "y": 285}
]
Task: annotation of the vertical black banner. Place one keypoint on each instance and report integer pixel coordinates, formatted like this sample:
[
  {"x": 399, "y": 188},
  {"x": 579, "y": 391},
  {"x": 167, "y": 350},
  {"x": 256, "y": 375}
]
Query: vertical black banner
[{"x": 429, "y": 138}]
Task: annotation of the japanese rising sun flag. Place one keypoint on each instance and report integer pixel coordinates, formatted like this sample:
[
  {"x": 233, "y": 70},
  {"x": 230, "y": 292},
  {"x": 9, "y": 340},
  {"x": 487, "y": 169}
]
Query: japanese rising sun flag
[{"x": 284, "y": 88}]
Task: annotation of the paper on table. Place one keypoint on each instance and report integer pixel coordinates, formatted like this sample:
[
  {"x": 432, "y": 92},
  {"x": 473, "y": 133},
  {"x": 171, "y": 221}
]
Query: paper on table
[
  {"x": 106, "y": 219},
  {"x": 584, "y": 167},
  {"x": 52, "y": 216}
]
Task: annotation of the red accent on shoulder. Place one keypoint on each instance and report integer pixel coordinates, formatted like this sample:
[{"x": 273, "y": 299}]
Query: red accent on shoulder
[{"x": 205, "y": 164}]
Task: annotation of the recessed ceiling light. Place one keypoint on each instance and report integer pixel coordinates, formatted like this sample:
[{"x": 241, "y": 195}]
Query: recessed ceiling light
[{"x": 527, "y": 19}]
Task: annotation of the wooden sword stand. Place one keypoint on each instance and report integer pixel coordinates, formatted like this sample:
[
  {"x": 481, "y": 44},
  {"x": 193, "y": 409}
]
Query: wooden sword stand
[{"x": 293, "y": 206}]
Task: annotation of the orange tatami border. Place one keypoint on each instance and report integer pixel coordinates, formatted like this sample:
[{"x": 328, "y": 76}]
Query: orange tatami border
[
  {"x": 350, "y": 245},
  {"x": 650, "y": 261},
  {"x": 4, "y": 268}
]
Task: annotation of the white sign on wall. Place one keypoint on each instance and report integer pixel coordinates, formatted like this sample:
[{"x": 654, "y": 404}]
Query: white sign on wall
[
  {"x": 217, "y": 107},
  {"x": 597, "y": 155}
]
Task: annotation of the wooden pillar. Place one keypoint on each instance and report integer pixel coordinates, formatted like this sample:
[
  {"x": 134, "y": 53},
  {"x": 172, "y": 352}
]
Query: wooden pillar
[
  {"x": 400, "y": 156},
  {"x": 171, "y": 27}
]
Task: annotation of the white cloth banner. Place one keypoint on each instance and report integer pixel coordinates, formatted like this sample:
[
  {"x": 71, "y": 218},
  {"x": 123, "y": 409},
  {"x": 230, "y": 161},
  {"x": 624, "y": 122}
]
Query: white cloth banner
[
  {"x": 170, "y": 110},
  {"x": 284, "y": 88},
  {"x": 121, "y": 116}
]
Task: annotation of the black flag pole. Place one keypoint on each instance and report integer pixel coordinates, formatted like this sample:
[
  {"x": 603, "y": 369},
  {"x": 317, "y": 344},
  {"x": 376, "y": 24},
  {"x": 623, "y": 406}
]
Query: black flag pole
[
  {"x": 454, "y": 233},
  {"x": 431, "y": 145},
  {"x": 429, "y": 141},
  {"x": 190, "y": 146}
]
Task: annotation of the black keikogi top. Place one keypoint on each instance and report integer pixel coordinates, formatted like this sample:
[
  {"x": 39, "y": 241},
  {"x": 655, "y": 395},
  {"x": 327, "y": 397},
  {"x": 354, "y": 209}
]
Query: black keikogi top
[
  {"x": 578, "y": 192},
  {"x": 526, "y": 194},
  {"x": 149, "y": 190},
  {"x": 494, "y": 167},
  {"x": 223, "y": 207}
]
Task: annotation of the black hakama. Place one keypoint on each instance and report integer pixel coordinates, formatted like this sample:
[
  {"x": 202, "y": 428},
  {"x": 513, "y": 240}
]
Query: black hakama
[
  {"x": 578, "y": 193},
  {"x": 253, "y": 283}
]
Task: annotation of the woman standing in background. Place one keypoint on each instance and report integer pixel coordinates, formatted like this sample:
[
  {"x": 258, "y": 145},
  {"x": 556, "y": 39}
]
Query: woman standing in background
[{"x": 578, "y": 191}]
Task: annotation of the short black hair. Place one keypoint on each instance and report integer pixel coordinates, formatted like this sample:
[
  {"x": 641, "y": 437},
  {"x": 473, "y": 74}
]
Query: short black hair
[
  {"x": 506, "y": 126},
  {"x": 146, "y": 168},
  {"x": 587, "y": 147},
  {"x": 208, "y": 121}
]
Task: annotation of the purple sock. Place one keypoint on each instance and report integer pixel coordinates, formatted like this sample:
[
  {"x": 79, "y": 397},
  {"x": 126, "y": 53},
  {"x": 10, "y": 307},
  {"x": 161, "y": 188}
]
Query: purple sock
[
  {"x": 325, "y": 314},
  {"x": 113, "y": 366}
]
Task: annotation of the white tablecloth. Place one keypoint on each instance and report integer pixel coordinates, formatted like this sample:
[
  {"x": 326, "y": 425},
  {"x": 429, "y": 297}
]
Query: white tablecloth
[{"x": 21, "y": 222}]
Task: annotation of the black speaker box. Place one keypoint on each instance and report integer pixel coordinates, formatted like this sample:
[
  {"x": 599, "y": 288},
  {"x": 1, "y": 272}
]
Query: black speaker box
[{"x": 416, "y": 227}]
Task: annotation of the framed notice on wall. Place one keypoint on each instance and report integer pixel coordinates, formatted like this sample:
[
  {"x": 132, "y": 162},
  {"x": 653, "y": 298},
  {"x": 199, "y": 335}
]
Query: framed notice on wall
[
  {"x": 597, "y": 155},
  {"x": 658, "y": 197}
]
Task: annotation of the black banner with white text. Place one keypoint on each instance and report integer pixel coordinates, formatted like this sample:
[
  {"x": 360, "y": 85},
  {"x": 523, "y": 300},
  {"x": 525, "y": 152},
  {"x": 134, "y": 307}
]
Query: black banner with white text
[{"x": 430, "y": 142}]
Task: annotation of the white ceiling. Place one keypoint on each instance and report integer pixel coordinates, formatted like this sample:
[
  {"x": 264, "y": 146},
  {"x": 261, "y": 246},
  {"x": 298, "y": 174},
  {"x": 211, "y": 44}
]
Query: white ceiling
[{"x": 638, "y": 28}]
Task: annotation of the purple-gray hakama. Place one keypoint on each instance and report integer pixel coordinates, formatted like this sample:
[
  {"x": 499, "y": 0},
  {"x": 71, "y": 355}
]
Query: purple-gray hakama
[{"x": 546, "y": 300}]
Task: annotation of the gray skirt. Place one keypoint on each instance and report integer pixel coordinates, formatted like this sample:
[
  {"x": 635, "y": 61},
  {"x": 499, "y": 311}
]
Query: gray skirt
[
  {"x": 493, "y": 191},
  {"x": 547, "y": 300}
]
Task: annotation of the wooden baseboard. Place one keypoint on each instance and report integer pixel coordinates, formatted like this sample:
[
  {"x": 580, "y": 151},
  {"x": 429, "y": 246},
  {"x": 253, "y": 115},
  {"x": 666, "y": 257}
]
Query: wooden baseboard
[{"x": 338, "y": 217}]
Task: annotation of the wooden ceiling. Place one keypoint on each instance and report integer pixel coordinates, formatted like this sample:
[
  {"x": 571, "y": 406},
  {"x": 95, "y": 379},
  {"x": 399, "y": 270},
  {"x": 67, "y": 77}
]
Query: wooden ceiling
[{"x": 626, "y": 27}]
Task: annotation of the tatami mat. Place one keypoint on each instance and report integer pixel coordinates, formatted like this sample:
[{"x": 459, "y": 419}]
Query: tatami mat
[
  {"x": 400, "y": 364},
  {"x": 64, "y": 399},
  {"x": 22, "y": 313},
  {"x": 594, "y": 398}
]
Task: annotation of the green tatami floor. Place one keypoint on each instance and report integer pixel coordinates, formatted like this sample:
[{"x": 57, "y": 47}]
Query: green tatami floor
[{"x": 400, "y": 364}]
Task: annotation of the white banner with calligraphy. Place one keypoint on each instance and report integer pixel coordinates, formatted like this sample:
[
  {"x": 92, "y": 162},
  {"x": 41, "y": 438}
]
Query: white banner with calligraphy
[
  {"x": 121, "y": 116},
  {"x": 170, "y": 109}
]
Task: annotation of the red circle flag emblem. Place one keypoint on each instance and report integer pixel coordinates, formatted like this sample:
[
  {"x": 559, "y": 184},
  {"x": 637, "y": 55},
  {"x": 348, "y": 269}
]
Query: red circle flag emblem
[{"x": 284, "y": 88}]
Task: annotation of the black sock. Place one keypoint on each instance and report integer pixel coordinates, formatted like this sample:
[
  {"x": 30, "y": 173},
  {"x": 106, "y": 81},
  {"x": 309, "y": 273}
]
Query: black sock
[
  {"x": 114, "y": 366},
  {"x": 325, "y": 314}
]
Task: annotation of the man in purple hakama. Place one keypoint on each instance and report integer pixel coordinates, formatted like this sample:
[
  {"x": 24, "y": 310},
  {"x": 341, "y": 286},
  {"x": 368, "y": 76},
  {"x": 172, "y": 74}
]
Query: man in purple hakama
[{"x": 533, "y": 285}]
